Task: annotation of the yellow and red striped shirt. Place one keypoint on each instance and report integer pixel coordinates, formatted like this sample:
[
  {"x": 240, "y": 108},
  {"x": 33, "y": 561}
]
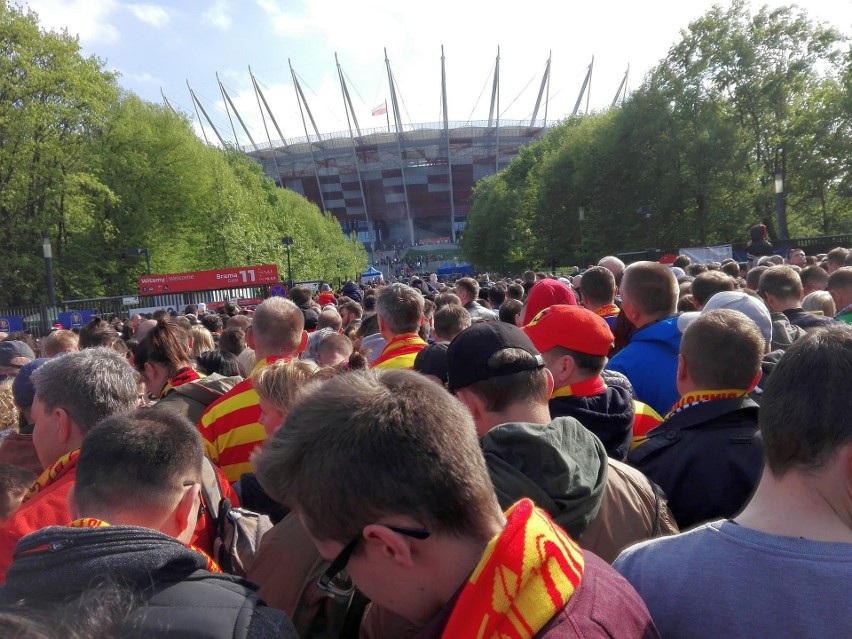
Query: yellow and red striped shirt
[
  {"x": 400, "y": 352},
  {"x": 231, "y": 428}
]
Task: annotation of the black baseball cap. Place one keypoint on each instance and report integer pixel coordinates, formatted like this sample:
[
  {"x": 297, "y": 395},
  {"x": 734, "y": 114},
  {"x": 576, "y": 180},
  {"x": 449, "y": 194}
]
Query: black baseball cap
[{"x": 469, "y": 352}]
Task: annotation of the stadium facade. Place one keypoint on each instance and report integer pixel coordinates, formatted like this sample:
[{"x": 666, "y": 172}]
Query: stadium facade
[
  {"x": 407, "y": 183},
  {"x": 412, "y": 187}
]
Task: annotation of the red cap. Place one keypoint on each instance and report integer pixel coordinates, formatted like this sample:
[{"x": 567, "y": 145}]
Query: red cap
[{"x": 572, "y": 327}]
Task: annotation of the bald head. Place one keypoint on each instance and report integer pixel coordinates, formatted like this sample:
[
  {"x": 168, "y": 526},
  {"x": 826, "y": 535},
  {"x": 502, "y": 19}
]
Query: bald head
[
  {"x": 614, "y": 266},
  {"x": 144, "y": 327}
]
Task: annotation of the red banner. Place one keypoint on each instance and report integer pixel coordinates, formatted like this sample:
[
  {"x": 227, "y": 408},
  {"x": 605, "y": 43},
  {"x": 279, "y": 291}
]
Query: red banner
[{"x": 208, "y": 280}]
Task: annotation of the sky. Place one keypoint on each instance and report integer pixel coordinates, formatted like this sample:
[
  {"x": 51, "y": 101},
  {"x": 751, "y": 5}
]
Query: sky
[{"x": 160, "y": 46}]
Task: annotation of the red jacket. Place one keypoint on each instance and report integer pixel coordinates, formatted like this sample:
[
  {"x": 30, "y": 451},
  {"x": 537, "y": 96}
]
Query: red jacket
[{"x": 47, "y": 508}]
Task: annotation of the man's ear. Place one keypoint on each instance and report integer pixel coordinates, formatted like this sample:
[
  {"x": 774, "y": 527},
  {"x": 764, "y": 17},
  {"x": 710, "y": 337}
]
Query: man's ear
[
  {"x": 184, "y": 517},
  {"x": 681, "y": 368},
  {"x": 474, "y": 405},
  {"x": 250, "y": 338},
  {"x": 550, "y": 383},
  {"x": 64, "y": 425},
  {"x": 391, "y": 545},
  {"x": 303, "y": 345}
]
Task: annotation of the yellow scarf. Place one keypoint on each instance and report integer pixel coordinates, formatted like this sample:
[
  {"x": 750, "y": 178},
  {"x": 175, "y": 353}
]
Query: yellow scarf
[
  {"x": 52, "y": 473},
  {"x": 91, "y": 522},
  {"x": 525, "y": 577}
]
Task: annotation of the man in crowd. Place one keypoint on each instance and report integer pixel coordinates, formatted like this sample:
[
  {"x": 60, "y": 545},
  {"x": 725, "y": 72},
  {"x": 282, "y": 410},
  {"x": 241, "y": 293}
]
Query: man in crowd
[
  {"x": 814, "y": 278},
  {"x": 496, "y": 371},
  {"x": 13, "y": 356},
  {"x": 781, "y": 289},
  {"x": 407, "y": 508},
  {"x": 705, "y": 455},
  {"x": 134, "y": 507},
  {"x": 782, "y": 567},
  {"x": 840, "y": 288},
  {"x": 230, "y": 425},
  {"x": 649, "y": 294},
  {"x": 349, "y": 312},
  {"x": 835, "y": 259},
  {"x": 574, "y": 343},
  {"x": 449, "y": 322},
  {"x": 400, "y": 313},
  {"x": 614, "y": 266},
  {"x": 72, "y": 394},
  {"x": 598, "y": 288},
  {"x": 796, "y": 257},
  {"x": 467, "y": 290},
  {"x": 60, "y": 341},
  {"x": 707, "y": 284}
]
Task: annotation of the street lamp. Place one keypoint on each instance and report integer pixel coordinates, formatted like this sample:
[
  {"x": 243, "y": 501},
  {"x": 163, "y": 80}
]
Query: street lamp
[
  {"x": 141, "y": 251},
  {"x": 780, "y": 206},
  {"x": 48, "y": 267},
  {"x": 288, "y": 242},
  {"x": 581, "y": 216}
]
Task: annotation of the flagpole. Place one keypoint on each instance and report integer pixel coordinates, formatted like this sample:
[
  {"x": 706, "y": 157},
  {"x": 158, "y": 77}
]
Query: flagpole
[{"x": 387, "y": 115}]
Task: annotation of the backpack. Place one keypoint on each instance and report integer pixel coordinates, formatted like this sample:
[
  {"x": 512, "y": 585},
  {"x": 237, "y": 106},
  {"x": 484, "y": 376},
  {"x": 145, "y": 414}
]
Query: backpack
[{"x": 238, "y": 530}]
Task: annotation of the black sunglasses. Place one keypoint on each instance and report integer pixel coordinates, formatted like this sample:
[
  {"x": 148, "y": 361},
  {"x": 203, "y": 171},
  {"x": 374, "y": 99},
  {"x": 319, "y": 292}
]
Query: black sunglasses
[{"x": 333, "y": 582}]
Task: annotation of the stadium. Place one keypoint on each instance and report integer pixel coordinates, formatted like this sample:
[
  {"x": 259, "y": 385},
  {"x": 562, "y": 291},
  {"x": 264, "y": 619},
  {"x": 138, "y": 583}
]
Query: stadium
[{"x": 399, "y": 184}]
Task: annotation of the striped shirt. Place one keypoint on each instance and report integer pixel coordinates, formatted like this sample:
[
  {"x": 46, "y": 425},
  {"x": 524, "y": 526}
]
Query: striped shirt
[{"x": 231, "y": 428}]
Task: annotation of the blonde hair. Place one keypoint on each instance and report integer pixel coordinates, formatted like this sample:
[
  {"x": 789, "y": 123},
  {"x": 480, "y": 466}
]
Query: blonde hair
[
  {"x": 8, "y": 410},
  {"x": 820, "y": 301},
  {"x": 202, "y": 341},
  {"x": 279, "y": 382}
]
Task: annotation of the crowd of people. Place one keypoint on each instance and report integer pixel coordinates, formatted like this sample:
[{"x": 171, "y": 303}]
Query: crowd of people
[{"x": 642, "y": 450}]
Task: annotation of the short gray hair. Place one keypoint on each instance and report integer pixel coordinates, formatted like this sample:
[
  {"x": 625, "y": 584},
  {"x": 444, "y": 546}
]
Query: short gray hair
[
  {"x": 401, "y": 308},
  {"x": 89, "y": 385}
]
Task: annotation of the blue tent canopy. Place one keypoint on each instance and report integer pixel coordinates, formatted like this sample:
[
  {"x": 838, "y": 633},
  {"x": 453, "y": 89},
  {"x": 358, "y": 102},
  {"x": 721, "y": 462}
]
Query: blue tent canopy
[
  {"x": 455, "y": 269},
  {"x": 371, "y": 272}
]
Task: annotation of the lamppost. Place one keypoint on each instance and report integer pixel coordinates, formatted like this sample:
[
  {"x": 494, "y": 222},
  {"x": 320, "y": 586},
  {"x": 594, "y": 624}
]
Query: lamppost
[
  {"x": 581, "y": 217},
  {"x": 287, "y": 241},
  {"x": 48, "y": 267},
  {"x": 780, "y": 206},
  {"x": 141, "y": 251}
]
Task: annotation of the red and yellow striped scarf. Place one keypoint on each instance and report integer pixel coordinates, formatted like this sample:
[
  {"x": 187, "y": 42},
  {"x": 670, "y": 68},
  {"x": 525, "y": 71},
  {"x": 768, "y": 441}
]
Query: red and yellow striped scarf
[
  {"x": 52, "y": 473},
  {"x": 400, "y": 352},
  {"x": 525, "y": 577},
  {"x": 183, "y": 376},
  {"x": 91, "y": 522},
  {"x": 586, "y": 388},
  {"x": 609, "y": 310}
]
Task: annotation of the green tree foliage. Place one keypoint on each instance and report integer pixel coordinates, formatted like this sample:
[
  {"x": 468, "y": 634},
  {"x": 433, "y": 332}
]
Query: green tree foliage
[
  {"x": 690, "y": 159},
  {"x": 103, "y": 171}
]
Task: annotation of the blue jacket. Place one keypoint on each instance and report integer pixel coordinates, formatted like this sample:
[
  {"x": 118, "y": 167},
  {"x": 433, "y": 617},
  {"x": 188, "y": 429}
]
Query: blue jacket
[{"x": 650, "y": 363}]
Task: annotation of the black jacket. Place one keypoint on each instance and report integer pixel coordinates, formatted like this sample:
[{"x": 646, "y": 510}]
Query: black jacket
[
  {"x": 178, "y": 597},
  {"x": 707, "y": 458},
  {"x": 801, "y": 318},
  {"x": 608, "y": 415},
  {"x": 254, "y": 497}
]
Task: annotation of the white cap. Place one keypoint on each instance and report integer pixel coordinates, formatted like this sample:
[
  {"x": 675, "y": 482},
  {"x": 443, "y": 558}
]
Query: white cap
[{"x": 750, "y": 306}]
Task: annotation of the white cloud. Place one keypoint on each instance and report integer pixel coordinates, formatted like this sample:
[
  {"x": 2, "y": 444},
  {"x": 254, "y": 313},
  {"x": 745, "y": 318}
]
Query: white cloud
[
  {"x": 150, "y": 14},
  {"x": 218, "y": 15},
  {"x": 87, "y": 19},
  {"x": 143, "y": 78}
]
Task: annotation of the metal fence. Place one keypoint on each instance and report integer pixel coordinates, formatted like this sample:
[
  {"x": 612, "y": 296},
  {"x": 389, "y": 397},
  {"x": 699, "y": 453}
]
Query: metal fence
[
  {"x": 811, "y": 246},
  {"x": 39, "y": 319}
]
